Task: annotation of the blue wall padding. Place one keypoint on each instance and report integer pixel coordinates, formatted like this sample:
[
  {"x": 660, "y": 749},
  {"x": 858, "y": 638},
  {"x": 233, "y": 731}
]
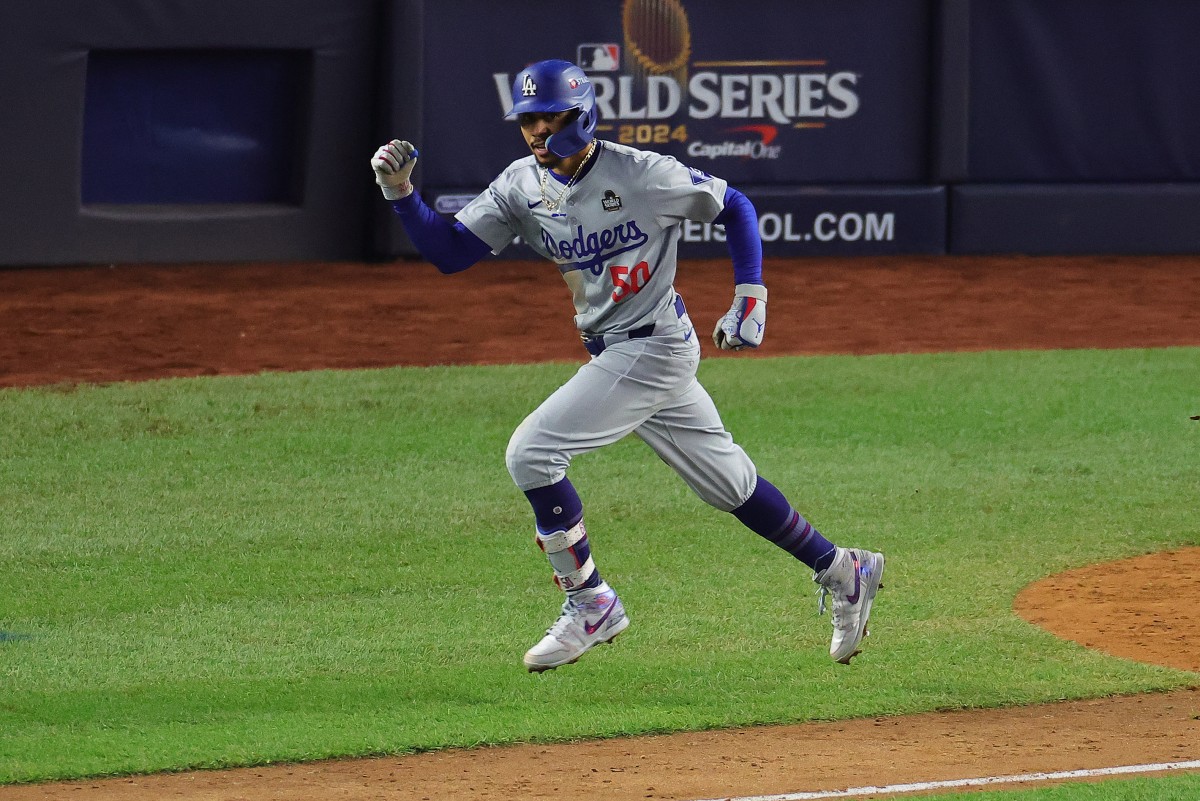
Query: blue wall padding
[
  {"x": 216, "y": 130},
  {"x": 1075, "y": 218}
]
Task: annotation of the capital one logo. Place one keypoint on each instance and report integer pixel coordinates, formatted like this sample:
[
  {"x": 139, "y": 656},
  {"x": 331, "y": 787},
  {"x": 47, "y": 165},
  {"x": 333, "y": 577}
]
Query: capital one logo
[{"x": 528, "y": 87}]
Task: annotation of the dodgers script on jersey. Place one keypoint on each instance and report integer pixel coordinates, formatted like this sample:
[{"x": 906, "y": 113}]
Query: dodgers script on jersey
[{"x": 615, "y": 238}]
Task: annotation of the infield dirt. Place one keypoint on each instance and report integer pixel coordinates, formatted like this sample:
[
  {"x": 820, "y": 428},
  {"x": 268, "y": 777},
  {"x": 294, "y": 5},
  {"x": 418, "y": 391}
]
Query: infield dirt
[{"x": 99, "y": 324}]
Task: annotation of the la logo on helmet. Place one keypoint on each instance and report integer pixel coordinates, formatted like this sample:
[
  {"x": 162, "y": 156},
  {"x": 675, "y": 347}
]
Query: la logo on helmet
[{"x": 528, "y": 87}]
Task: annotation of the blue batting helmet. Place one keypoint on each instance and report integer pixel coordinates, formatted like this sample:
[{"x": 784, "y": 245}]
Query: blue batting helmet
[{"x": 555, "y": 85}]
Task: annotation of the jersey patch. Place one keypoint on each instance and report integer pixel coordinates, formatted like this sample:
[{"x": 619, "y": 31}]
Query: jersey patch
[
  {"x": 611, "y": 201},
  {"x": 699, "y": 176}
]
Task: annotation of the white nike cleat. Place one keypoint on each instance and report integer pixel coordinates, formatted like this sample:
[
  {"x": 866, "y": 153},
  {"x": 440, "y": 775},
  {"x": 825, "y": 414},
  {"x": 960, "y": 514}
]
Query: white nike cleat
[
  {"x": 853, "y": 579},
  {"x": 583, "y": 623}
]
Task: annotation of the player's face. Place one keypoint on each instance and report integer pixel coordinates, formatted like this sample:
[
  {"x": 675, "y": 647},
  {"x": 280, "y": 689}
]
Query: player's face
[{"x": 537, "y": 128}]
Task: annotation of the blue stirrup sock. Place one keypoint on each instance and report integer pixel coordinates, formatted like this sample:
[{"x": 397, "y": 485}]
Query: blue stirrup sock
[
  {"x": 767, "y": 513},
  {"x": 558, "y": 513}
]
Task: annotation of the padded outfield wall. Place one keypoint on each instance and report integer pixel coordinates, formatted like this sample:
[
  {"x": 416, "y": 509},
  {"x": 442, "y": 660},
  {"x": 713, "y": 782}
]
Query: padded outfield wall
[{"x": 190, "y": 130}]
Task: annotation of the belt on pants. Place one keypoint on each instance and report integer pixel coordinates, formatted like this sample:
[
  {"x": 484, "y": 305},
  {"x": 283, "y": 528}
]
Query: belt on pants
[{"x": 596, "y": 344}]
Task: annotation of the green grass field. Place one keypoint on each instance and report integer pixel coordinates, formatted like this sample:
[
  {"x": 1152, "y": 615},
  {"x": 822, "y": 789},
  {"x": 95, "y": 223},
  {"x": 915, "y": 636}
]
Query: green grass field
[{"x": 231, "y": 571}]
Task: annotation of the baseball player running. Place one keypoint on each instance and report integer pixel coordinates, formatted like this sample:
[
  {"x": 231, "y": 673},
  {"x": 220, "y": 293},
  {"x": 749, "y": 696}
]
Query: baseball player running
[{"x": 610, "y": 217}]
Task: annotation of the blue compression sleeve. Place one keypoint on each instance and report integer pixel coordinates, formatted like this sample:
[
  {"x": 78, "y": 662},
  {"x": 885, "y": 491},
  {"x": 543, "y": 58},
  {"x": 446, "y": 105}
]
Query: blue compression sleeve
[
  {"x": 449, "y": 247},
  {"x": 741, "y": 237}
]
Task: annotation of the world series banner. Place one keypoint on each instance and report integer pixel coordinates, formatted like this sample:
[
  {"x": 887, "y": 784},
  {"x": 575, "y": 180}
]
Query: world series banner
[{"x": 783, "y": 92}]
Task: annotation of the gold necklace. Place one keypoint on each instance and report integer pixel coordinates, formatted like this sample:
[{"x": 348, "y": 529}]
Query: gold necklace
[{"x": 554, "y": 204}]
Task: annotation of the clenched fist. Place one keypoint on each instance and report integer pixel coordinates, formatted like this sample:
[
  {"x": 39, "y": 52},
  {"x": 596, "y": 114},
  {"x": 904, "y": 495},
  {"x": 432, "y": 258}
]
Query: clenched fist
[{"x": 393, "y": 164}]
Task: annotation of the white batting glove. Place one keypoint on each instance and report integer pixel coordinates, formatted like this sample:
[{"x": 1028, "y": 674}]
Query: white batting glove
[
  {"x": 393, "y": 164},
  {"x": 744, "y": 323}
]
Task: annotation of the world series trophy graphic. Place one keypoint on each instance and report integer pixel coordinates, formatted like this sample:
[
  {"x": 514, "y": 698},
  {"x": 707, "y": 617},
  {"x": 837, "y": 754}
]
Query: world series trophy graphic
[{"x": 658, "y": 40}]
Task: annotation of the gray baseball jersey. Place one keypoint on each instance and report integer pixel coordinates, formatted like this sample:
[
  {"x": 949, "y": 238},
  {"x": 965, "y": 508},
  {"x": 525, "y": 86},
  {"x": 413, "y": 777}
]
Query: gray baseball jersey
[{"x": 614, "y": 238}]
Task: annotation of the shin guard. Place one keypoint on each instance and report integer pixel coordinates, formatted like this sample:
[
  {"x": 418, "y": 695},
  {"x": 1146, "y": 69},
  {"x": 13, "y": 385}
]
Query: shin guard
[{"x": 571, "y": 558}]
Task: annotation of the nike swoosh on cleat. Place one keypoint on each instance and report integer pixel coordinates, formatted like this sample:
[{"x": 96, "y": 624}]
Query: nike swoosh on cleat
[
  {"x": 591, "y": 628},
  {"x": 853, "y": 598}
]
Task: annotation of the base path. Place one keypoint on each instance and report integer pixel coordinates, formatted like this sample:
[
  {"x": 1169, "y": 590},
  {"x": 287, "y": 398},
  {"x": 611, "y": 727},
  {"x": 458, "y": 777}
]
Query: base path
[{"x": 100, "y": 324}]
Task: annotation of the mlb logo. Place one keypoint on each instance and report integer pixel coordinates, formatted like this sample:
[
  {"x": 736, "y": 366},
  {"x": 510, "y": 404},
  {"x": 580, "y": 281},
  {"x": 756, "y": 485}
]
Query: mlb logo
[
  {"x": 598, "y": 57},
  {"x": 699, "y": 176}
]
